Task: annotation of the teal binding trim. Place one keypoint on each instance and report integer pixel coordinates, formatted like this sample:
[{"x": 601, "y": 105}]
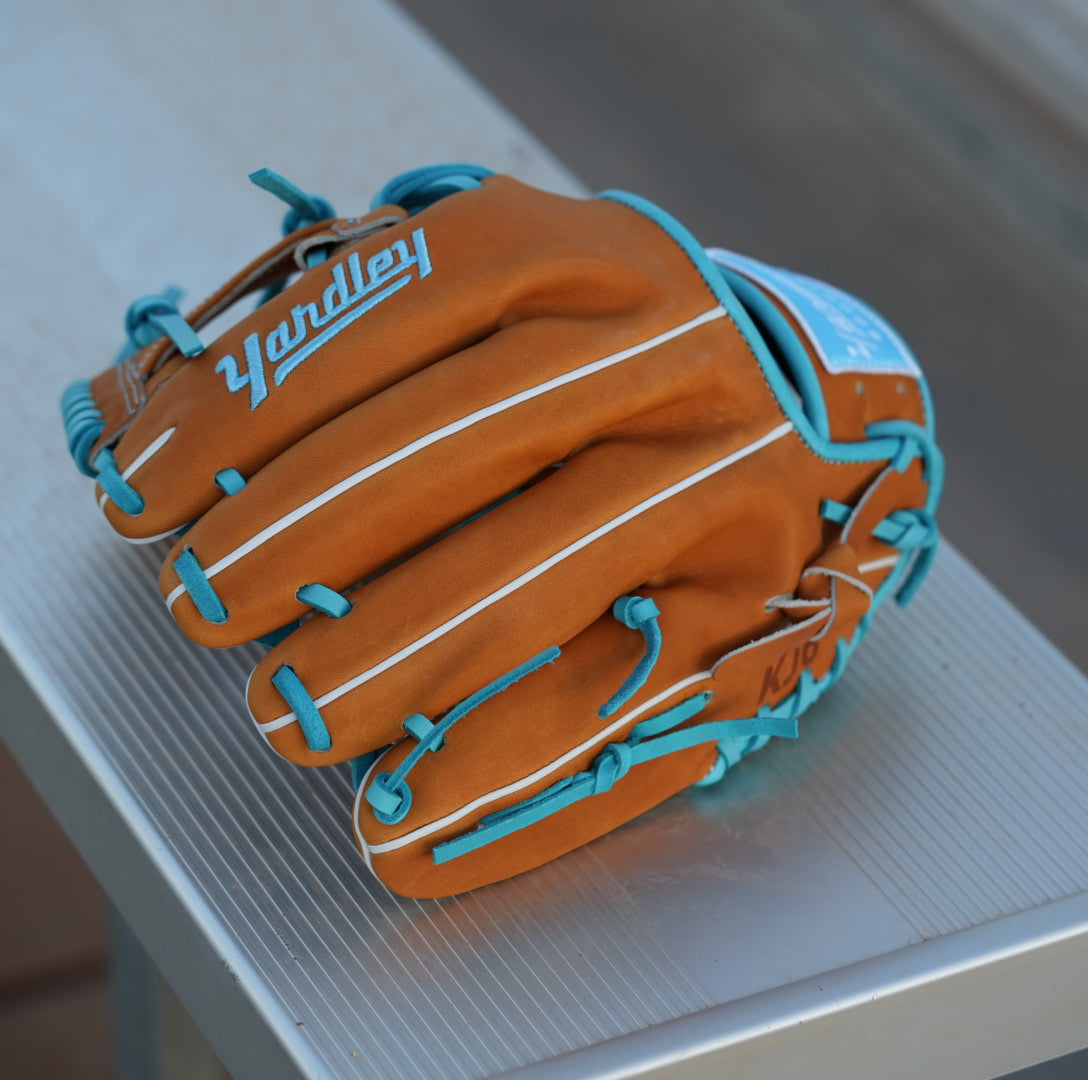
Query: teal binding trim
[
  {"x": 322, "y": 598},
  {"x": 876, "y": 448},
  {"x": 389, "y": 794},
  {"x": 647, "y": 741},
  {"x": 152, "y": 316},
  {"x": 773, "y": 326},
  {"x": 639, "y": 613},
  {"x": 83, "y": 423},
  {"x": 309, "y": 718},
  {"x": 199, "y": 588},
  {"x": 229, "y": 481},
  {"x": 417, "y": 189},
  {"x": 897, "y": 441},
  {"x": 123, "y": 495}
]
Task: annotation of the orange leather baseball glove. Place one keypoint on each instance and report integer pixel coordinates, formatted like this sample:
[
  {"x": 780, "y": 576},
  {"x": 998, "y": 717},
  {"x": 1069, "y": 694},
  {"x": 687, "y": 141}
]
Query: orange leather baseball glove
[{"x": 547, "y": 512}]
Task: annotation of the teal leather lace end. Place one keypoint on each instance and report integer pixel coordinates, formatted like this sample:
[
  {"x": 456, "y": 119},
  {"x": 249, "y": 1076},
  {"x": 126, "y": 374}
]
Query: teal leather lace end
[
  {"x": 200, "y": 590},
  {"x": 83, "y": 423},
  {"x": 151, "y": 317},
  {"x": 638, "y": 613},
  {"x": 303, "y": 208},
  {"x": 124, "y": 496},
  {"x": 389, "y": 794},
  {"x": 309, "y": 718}
]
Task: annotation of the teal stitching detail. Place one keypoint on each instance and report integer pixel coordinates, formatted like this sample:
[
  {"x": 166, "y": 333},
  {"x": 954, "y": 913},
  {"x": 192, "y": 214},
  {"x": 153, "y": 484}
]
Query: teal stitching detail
[
  {"x": 83, "y": 422},
  {"x": 152, "y": 316},
  {"x": 229, "y": 481},
  {"x": 322, "y": 598},
  {"x": 204, "y": 597},
  {"x": 123, "y": 495},
  {"x": 638, "y": 613},
  {"x": 309, "y": 718},
  {"x": 389, "y": 794}
]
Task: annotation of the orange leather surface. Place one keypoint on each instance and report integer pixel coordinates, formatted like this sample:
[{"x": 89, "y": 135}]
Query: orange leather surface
[{"x": 524, "y": 366}]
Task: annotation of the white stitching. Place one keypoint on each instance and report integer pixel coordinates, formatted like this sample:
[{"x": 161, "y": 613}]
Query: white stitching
[
  {"x": 530, "y": 575},
  {"x": 436, "y": 436}
]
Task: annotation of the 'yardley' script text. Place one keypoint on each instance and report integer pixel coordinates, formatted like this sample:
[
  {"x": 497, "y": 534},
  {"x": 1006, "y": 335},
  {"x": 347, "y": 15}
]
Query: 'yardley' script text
[{"x": 352, "y": 293}]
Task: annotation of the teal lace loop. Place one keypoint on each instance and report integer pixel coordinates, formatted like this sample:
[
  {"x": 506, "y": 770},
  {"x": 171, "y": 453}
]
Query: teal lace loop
[
  {"x": 390, "y": 797},
  {"x": 389, "y": 794},
  {"x": 309, "y": 717},
  {"x": 417, "y": 189},
  {"x": 914, "y": 532},
  {"x": 914, "y": 442},
  {"x": 420, "y": 728},
  {"x": 652, "y": 739},
  {"x": 613, "y": 764},
  {"x": 120, "y": 492},
  {"x": 83, "y": 423},
  {"x": 200, "y": 589},
  {"x": 151, "y": 317},
  {"x": 639, "y": 613}
]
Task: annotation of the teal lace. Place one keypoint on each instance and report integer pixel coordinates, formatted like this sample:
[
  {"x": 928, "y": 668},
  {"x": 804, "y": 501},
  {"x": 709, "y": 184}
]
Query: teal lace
[{"x": 390, "y": 794}]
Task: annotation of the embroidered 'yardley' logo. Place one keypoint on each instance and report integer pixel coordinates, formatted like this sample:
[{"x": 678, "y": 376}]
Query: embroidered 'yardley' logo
[{"x": 312, "y": 326}]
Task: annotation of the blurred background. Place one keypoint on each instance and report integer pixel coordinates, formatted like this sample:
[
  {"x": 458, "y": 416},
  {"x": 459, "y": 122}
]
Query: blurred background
[{"x": 929, "y": 156}]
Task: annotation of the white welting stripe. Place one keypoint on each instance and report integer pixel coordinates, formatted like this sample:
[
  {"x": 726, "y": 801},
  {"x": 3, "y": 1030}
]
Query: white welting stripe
[
  {"x": 517, "y": 785},
  {"x": 433, "y": 437},
  {"x": 142, "y": 459},
  {"x": 541, "y": 568},
  {"x": 878, "y": 564}
]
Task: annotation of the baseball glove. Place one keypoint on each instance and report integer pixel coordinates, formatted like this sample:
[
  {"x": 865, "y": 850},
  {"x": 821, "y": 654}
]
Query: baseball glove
[{"x": 545, "y": 512}]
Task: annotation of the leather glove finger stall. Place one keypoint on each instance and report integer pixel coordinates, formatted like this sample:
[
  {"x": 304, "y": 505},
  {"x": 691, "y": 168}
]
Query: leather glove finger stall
[{"x": 545, "y": 511}]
